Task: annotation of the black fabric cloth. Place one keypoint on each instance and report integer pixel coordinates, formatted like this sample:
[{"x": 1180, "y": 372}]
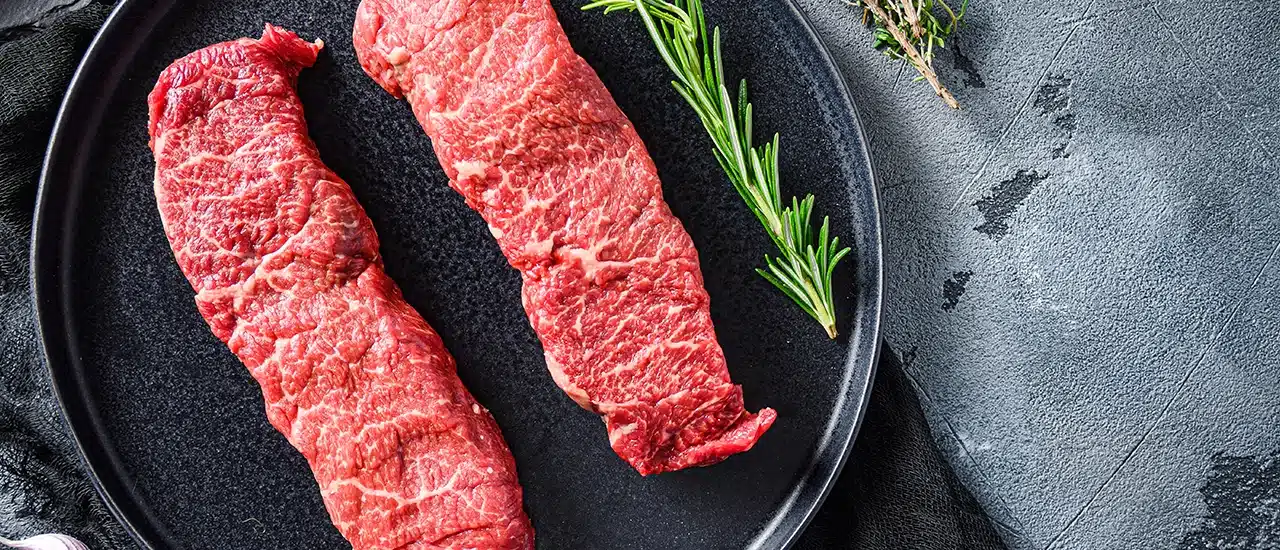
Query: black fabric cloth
[
  {"x": 42, "y": 486},
  {"x": 897, "y": 491}
]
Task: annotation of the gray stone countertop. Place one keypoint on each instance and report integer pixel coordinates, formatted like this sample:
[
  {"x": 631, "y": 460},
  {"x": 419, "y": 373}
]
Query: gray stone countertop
[{"x": 1081, "y": 264}]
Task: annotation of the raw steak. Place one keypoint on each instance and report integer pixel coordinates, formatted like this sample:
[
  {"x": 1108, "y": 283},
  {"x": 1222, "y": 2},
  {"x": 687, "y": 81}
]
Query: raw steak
[
  {"x": 529, "y": 135},
  {"x": 286, "y": 270}
]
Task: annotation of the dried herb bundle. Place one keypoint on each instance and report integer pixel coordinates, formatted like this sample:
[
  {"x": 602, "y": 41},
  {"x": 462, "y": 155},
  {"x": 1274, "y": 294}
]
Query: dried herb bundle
[{"x": 910, "y": 30}]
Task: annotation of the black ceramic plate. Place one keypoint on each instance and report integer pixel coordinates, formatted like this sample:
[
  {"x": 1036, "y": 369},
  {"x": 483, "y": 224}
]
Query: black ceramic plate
[{"x": 172, "y": 426}]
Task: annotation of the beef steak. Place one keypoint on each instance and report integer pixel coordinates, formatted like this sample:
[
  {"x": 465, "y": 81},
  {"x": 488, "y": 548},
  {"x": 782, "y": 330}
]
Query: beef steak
[
  {"x": 286, "y": 270},
  {"x": 529, "y": 135}
]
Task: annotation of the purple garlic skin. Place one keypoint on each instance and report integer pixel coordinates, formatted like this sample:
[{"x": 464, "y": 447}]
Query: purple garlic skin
[{"x": 49, "y": 541}]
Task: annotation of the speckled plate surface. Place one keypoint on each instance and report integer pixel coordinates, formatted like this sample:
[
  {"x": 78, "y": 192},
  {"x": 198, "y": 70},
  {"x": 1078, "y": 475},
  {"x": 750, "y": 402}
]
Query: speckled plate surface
[{"x": 172, "y": 427}]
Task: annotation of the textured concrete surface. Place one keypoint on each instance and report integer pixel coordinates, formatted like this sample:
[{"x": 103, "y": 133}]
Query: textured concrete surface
[
  {"x": 18, "y": 17},
  {"x": 1082, "y": 263}
]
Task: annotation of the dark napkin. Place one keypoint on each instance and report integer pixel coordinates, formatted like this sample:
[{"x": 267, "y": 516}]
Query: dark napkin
[
  {"x": 42, "y": 486},
  {"x": 897, "y": 492}
]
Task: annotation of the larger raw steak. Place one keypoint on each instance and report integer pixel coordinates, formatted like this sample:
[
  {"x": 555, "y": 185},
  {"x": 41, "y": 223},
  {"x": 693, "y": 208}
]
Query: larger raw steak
[
  {"x": 529, "y": 135},
  {"x": 286, "y": 270}
]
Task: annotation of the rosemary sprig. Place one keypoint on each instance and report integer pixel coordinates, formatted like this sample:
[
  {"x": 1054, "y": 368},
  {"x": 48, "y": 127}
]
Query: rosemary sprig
[
  {"x": 807, "y": 258},
  {"x": 910, "y": 30}
]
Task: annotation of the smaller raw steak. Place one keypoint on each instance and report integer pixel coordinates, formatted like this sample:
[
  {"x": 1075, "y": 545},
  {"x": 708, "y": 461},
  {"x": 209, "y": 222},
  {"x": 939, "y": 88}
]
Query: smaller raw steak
[
  {"x": 530, "y": 136},
  {"x": 286, "y": 270}
]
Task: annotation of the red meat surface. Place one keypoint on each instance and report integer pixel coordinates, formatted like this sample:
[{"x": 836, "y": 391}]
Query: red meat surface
[
  {"x": 529, "y": 135},
  {"x": 286, "y": 270}
]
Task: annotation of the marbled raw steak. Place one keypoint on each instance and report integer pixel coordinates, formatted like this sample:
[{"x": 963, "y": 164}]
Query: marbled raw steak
[
  {"x": 286, "y": 270},
  {"x": 529, "y": 135}
]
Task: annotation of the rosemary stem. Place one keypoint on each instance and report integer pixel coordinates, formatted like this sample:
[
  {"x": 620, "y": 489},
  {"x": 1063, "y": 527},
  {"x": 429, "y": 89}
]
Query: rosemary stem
[{"x": 805, "y": 258}]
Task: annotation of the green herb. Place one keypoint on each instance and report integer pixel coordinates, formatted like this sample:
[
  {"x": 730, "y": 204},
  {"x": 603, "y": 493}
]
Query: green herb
[
  {"x": 909, "y": 29},
  {"x": 807, "y": 258}
]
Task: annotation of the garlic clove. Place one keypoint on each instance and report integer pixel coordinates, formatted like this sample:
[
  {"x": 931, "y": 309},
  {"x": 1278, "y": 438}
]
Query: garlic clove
[{"x": 44, "y": 542}]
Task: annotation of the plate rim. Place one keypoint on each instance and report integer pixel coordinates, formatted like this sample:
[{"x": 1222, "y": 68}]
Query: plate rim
[
  {"x": 786, "y": 537},
  {"x": 74, "y": 403}
]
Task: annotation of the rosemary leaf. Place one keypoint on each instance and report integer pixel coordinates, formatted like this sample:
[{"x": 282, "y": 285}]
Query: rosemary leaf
[{"x": 803, "y": 268}]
